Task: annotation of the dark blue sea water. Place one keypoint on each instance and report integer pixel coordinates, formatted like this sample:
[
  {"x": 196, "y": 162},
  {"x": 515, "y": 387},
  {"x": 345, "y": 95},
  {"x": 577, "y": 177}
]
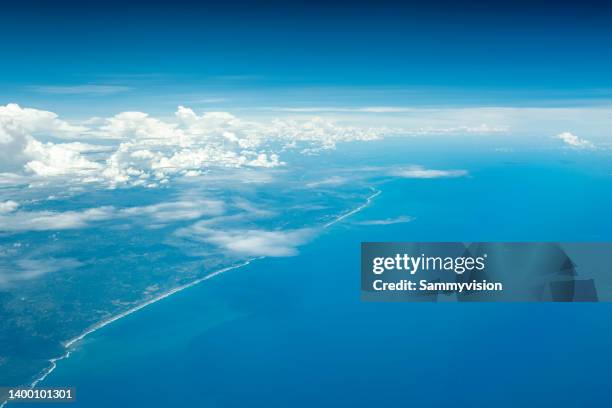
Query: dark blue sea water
[{"x": 292, "y": 332}]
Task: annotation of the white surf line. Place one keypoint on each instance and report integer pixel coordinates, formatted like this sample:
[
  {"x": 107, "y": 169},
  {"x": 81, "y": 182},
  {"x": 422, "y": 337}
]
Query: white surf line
[
  {"x": 103, "y": 323},
  {"x": 197, "y": 281},
  {"x": 128, "y": 312},
  {"x": 356, "y": 210},
  {"x": 106, "y": 322}
]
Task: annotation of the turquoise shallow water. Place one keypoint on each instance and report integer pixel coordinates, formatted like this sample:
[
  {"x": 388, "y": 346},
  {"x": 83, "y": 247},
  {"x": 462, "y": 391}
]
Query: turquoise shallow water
[{"x": 293, "y": 332}]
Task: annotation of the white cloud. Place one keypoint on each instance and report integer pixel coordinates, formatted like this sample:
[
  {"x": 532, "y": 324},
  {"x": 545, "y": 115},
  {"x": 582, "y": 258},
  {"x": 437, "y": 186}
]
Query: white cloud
[
  {"x": 574, "y": 141},
  {"x": 419, "y": 172},
  {"x": 165, "y": 212},
  {"x": 265, "y": 160},
  {"x": 80, "y": 147},
  {"x": 138, "y": 125},
  {"x": 51, "y": 159},
  {"x": 17, "y": 221},
  {"x": 8, "y": 206},
  {"x": 250, "y": 242},
  {"x": 18, "y": 120},
  {"x": 207, "y": 123},
  {"x": 152, "y": 151},
  {"x": 177, "y": 210},
  {"x": 20, "y": 150},
  {"x": 388, "y": 221},
  {"x": 141, "y": 150},
  {"x": 261, "y": 243}
]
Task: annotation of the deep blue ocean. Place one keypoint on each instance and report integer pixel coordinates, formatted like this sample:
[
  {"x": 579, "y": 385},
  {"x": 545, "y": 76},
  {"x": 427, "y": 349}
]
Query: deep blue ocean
[{"x": 292, "y": 332}]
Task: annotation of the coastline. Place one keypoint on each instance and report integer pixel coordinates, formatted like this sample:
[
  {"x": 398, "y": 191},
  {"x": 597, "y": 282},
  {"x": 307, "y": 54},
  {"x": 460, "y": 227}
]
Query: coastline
[
  {"x": 353, "y": 211},
  {"x": 103, "y": 323},
  {"x": 69, "y": 343}
]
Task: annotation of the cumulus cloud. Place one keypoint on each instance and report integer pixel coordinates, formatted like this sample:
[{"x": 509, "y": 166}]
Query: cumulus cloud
[
  {"x": 420, "y": 172},
  {"x": 50, "y": 159},
  {"x": 8, "y": 206},
  {"x": 18, "y": 120},
  {"x": 154, "y": 151},
  {"x": 574, "y": 141},
  {"x": 19, "y": 149},
  {"x": 141, "y": 150},
  {"x": 137, "y": 125},
  {"x": 250, "y": 242},
  {"x": 261, "y": 243}
]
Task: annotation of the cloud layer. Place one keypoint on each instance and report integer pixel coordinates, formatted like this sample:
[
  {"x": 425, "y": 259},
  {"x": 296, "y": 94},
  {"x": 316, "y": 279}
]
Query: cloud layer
[
  {"x": 12, "y": 220},
  {"x": 133, "y": 148}
]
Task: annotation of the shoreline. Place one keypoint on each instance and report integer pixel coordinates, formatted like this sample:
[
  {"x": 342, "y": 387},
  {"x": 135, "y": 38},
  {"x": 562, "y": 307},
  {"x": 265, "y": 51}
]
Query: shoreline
[
  {"x": 53, "y": 361},
  {"x": 69, "y": 343},
  {"x": 369, "y": 200}
]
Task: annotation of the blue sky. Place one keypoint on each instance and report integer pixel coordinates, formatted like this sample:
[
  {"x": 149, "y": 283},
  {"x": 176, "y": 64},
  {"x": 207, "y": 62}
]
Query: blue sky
[{"x": 154, "y": 56}]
